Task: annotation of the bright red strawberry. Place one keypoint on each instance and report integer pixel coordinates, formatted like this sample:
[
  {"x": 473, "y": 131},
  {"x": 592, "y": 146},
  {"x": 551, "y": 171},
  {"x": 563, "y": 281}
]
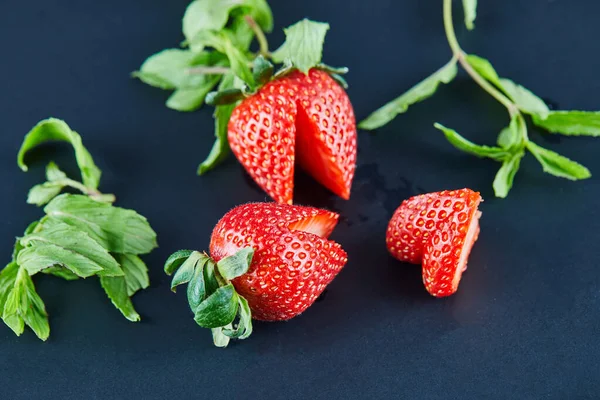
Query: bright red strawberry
[
  {"x": 293, "y": 261},
  {"x": 419, "y": 216},
  {"x": 300, "y": 117},
  {"x": 437, "y": 230}
]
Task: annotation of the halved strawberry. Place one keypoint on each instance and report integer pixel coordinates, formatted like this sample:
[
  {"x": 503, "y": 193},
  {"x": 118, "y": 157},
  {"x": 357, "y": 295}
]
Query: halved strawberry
[
  {"x": 437, "y": 230},
  {"x": 293, "y": 261},
  {"x": 298, "y": 116}
]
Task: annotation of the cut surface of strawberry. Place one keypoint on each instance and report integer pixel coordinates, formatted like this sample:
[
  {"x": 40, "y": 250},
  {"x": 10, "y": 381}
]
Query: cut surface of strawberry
[
  {"x": 298, "y": 117},
  {"x": 293, "y": 260}
]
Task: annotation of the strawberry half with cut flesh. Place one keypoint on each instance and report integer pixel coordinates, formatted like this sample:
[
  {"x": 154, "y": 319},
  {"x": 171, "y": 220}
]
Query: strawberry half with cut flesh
[
  {"x": 293, "y": 261},
  {"x": 418, "y": 217},
  {"x": 437, "y": 230},
  {"x": 308, "y": 118}
]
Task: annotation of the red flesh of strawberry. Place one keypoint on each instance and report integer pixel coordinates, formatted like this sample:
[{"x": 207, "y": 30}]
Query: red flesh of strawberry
[
  {"x": 303, "y": 117},
  {"x": 293, "y": 260},
  {"x": 437, "y": 230}
]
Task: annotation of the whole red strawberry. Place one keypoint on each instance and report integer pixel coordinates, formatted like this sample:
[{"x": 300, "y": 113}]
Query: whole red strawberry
[
  {"x": 274, "y": 260},
  {"x": 437, "y": 230},
  {"x": 299, "y": 117}
]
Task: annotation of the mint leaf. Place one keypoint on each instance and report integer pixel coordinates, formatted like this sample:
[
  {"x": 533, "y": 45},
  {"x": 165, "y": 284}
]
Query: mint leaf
[
  {"x": 116, "y": 290},
  {"x": 207, "y": 15},
  {"x": 53, "y": 173},
  {"x": 135, "y": 270},
  {"x": 219, "y": 309},
  {"x": 585, "y": 123},
  {"x": 166, "y": 69},
  {"x": 24, "y": 306},
  {"x": 119, "y": 230},
  {"x": 470, "y": 7},
  {"x": 61, "y": 244},
  {"x": 511, "y": 136},
  {"x": 417, "y": 93},
  {"x": 8, "y": 275},
  {"x": 190, "y": 99},
  {"x": 60, "y": 272},
  {"x": 506, "y": 175},
  {"x": 236, "y": 265},
  {"x": 557, "y": 165},
  {"x": 53, "y": 129},
  {"x": 467, "y": 146},
  {"x": 525, "y": 100},
  {"x": 43, "y": 193},
  {"x": 484, "y": 68},
  {"x": 175, "y": 260},
  {"x": 260, "y": 11},
  {"x": 303, "y": 45},
  {"x": 223, "y": 42}
]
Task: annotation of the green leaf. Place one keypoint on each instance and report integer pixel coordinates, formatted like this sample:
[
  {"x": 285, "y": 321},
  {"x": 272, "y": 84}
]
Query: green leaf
[
  {"x": 175, "y": 260},
  {"x": 525, "y": 100},
  {"x": 224, "y": 97},
  {"x": 61, "y": 244},
  {"x": 261, "y": 12},
  {"x": 303, "y": 45},
  {"x": 210, "y": 277},
  {"x": 506, "y": 175},
  {"x": 60, "y": 272},
  {"x": 53, "y": 129},
  {"x": 244, "y": 326},
  {"x": 262, "y": 70},
  {"x": 224, "y": 42},
  {"x": 585, "y": 123},
  {"x": 512, "y": 135},
  {"x": 53, "y": 173},
  {"x": 8, "y": 275},
  {"x": 207, "y": 15},
  {"x": 557, "y": 165},
  {"x": 43, "y": 193},
  {"x": 196, "y": 290},
  {"x": 186, "y": 271},
  {"x": 119, "y": 230},
  {"x": 219, "y": 338},
  {"x": 219, "y": 309},
  {"x": 116, "y": 290},
  {"x": 190, "y": 99},
  {"x": 470, "y": 7},
  {"x": 467, "y": 146},
  {"x": 220, "y": 148},
  {"x": 165, "y": 69},
  {"x": 136, "y": 272},
  {"x": 236, "y": 265},
  {"x": 417, "y": 93},
  {"x": 24, "y": 306},
  {"x": 484, "y": 68}
]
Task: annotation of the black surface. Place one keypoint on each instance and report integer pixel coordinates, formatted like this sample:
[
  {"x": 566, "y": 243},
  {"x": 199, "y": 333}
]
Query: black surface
[{"x": 525, "y": 321}]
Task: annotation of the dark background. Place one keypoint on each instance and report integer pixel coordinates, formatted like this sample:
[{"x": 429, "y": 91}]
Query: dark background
[{"x": 525, "y": 321}]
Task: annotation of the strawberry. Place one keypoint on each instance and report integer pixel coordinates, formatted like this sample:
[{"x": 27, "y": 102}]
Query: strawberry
[
  {"x": 275, "y": 258},
  {"x": 300, "y": 117},
  {"x": 437, "y": 230}
]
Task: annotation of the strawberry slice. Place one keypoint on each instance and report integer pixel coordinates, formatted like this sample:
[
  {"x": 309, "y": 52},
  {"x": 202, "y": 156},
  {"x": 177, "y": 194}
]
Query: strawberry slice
[
  {"x": 437, "y": 230},
  {"x": 300, "y": 117}
]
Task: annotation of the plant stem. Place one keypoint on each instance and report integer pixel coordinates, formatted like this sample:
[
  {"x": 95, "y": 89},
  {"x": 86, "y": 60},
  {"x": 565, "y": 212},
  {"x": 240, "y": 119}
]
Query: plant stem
[
  {"x": 93, "y": 193},
  {"x": 461, "y": 56},
  {"x": 204, "y": 70},
  {"x": 260, "y": 36}
]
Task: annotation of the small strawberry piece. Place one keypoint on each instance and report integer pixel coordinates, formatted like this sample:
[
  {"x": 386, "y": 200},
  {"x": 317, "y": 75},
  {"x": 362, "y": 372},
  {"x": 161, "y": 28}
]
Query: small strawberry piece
[
  {"x": 437, "y": 230},
  {"x": 293, "y": 261},
  {"x": 304, "y": 117}
]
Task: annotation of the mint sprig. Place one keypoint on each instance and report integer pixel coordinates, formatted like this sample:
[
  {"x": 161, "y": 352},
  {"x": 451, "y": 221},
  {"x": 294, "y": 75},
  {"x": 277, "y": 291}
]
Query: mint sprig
[
  {"x": 216, "y": 53},
  {"x": 80, "y": 235},
  {"x": 513, "y": 141},
  {"x": 211, "y": 296}
]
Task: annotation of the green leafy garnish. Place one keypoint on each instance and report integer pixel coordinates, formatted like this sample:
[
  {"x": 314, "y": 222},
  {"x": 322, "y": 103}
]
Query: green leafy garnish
[
  {"x": 212, "y": 298},
  {"x": 217, "y": 53},
  {"x": 81, "y": 235},
  {"x": 513, "y": 141}
]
